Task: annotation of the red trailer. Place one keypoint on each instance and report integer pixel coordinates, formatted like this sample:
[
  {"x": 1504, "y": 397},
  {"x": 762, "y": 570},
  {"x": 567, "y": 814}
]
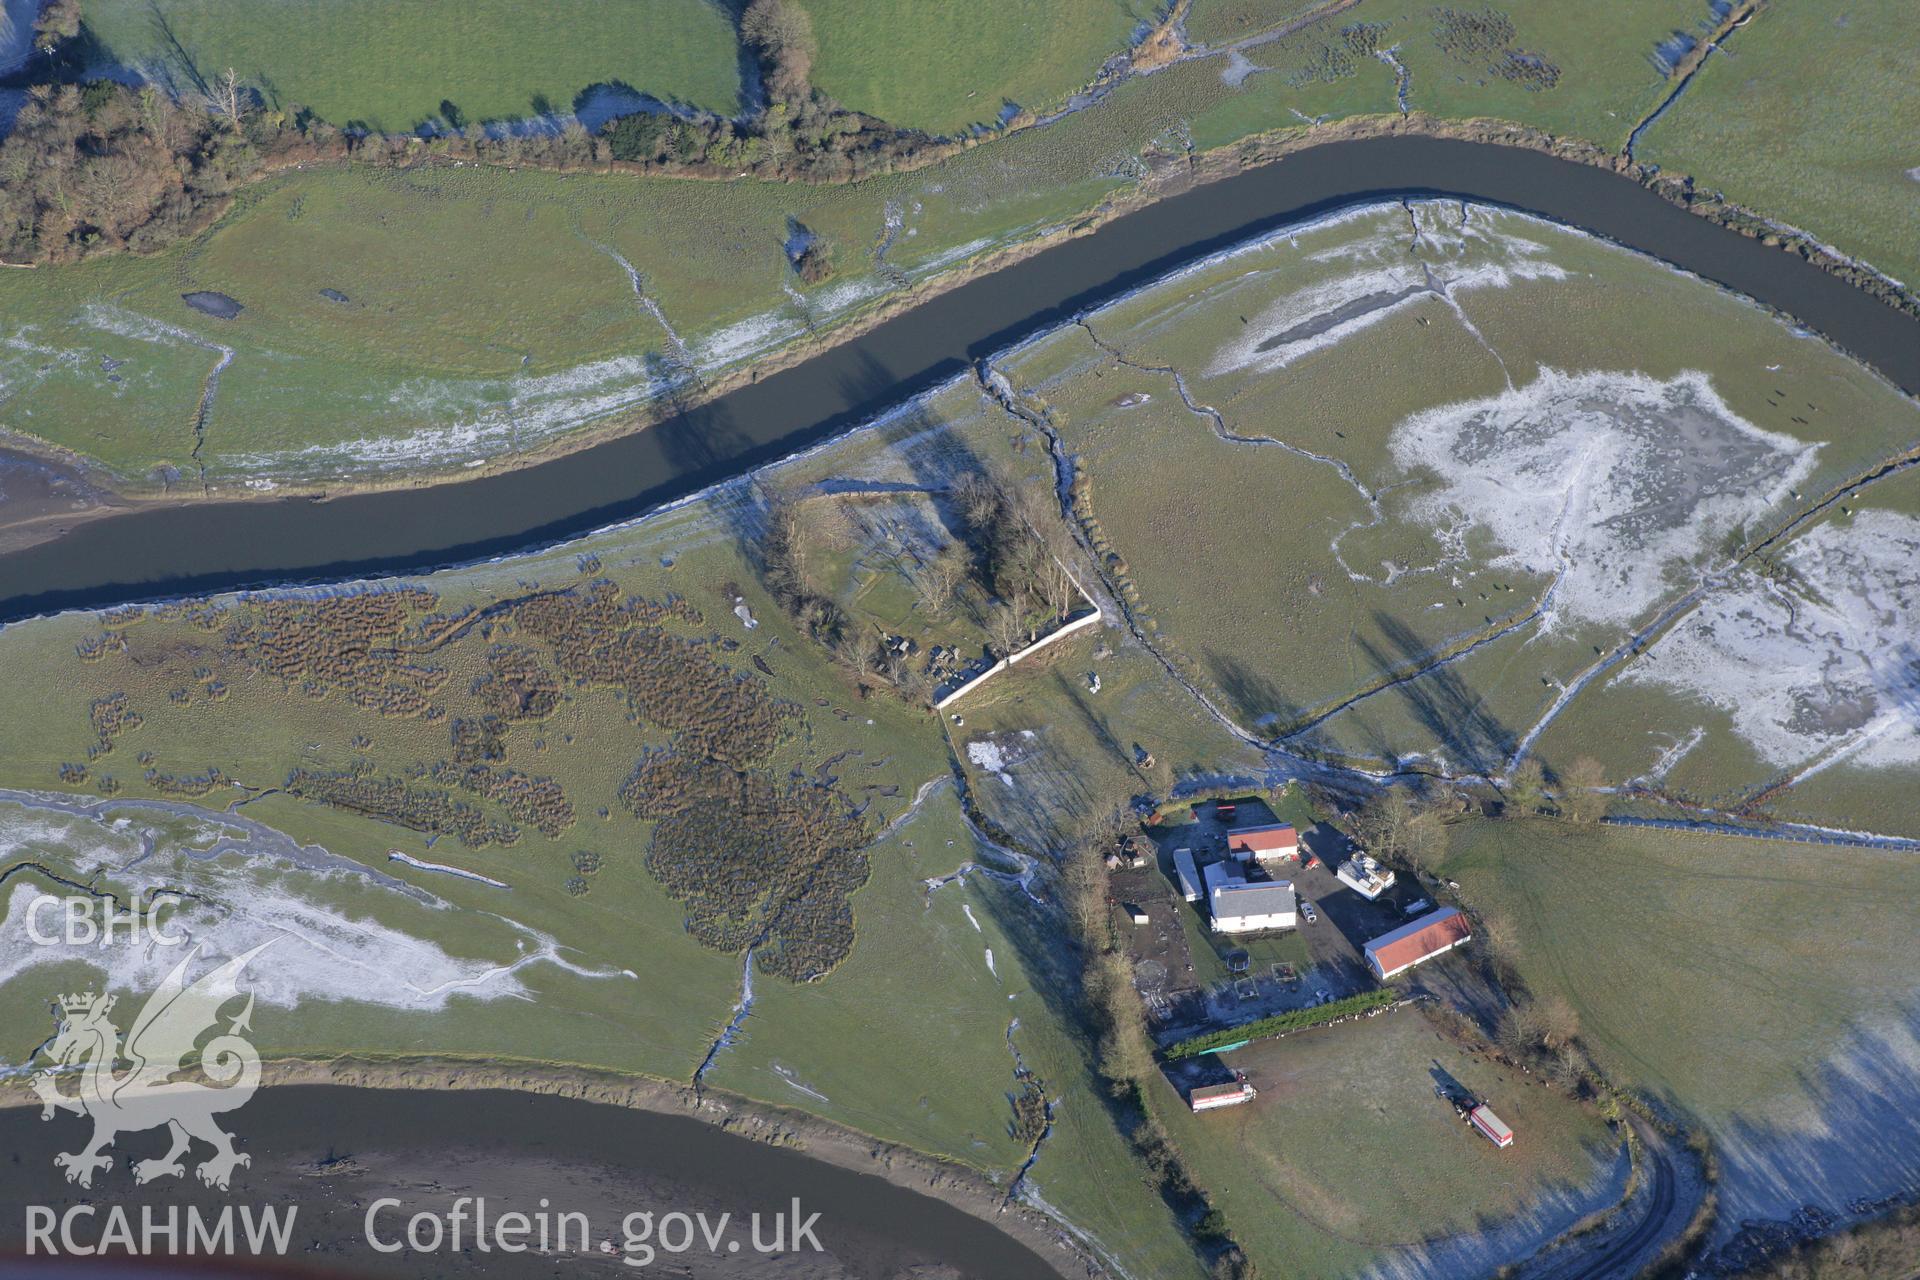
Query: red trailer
[{"x": 1491, "y": 1126}]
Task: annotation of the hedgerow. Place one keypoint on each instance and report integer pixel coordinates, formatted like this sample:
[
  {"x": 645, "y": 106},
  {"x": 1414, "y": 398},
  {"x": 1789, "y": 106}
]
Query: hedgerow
[{"x": 1281, "y": 1023}]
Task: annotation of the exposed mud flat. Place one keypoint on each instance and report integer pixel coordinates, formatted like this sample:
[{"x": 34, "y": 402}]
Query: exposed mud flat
[{"x": 40, "y": 498}]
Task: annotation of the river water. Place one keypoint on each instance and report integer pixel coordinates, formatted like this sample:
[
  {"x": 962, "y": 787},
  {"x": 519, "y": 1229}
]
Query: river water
[
  {"x": 223, "y": 545},
  {"x": 334, "y": 1153}
]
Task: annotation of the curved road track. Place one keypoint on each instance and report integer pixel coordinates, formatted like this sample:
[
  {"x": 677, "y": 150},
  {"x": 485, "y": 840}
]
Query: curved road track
[{"x": 1658, "y": 1212}]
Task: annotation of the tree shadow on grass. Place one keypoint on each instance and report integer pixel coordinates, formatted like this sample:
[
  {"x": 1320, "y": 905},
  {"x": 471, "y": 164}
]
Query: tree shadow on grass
[
  {"x": 1451, "y": 711},
  {"x": 1253, "y": 693}
]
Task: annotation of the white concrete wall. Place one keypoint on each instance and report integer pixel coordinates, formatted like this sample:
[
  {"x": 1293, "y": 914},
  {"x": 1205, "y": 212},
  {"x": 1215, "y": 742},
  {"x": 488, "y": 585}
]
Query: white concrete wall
[
  {"x": 1250, "y": 924},
  {"x": 1063, "y": 630}
]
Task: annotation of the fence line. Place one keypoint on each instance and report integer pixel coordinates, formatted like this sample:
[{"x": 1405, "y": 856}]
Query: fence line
[
  {"x": 1064, "y": 629},
  {"x": 1792, "y": 835}
]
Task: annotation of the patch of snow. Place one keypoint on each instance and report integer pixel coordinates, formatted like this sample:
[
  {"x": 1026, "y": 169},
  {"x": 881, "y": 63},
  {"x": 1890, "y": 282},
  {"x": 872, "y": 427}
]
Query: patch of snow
[
  {"x": 793, "y": 1082},
  {"x": 947, "y": 257},
  {"x": 484, "y": 417},
  {"x": 408, "y": 860},
  {"x": 985, "y": 753},
  {"x": 346, "y": 933},
  {"x": 1618, "y": 483},
  {"x": 1822, "y": 666},
  {"x": 1380, "y": 277}
]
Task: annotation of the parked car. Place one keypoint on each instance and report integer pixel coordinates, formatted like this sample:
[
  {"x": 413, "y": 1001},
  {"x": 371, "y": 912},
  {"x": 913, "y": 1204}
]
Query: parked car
[{"x": 1306, "y": 909}]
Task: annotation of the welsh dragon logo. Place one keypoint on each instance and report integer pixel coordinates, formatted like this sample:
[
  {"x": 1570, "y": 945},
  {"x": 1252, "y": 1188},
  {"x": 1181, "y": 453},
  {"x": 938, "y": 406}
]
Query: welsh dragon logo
[{"x": 147, "y": 1096}]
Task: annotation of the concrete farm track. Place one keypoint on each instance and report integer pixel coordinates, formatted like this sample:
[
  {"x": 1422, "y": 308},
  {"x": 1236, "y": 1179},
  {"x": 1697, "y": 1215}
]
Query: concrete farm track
[{"x": 199, "y": 547}]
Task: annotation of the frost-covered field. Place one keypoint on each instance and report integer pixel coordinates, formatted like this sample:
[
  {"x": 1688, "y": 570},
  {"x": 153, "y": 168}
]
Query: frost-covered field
[
  {"x": 455, "y": 317},
  {"x": 1820, "y": 666},
  {"x": 342, "y": 940},
  {"x": 1416, "y": 480}
]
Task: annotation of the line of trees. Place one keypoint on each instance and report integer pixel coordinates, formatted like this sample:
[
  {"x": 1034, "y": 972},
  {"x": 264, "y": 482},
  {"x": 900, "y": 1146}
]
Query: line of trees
[
  {"x": 1574, "y": 795},
  {"x": 102, "y": 167},
  {"x": 1281, "y": 1023},
  {"x": 1010, "y": 549},
  {"x": 1123, "y": 1055}
]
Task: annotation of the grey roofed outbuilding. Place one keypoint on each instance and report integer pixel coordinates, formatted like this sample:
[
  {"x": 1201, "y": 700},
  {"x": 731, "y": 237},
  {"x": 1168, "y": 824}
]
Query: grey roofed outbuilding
[
  {"x": 1256, "y": 899},
  {"x": 1185, "y": 874},
  {"x": 1218, "y": 875}
]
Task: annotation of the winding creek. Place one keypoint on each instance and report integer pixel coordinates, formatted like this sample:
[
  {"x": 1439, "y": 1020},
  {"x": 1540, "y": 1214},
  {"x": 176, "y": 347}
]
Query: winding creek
[{"x": 201, "y": 547}]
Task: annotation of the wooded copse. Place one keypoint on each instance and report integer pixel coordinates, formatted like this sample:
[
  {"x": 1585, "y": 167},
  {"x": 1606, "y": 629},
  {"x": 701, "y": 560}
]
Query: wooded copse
[
  {"x": 99, "y": 167},
  {"x": 1004, "y": 568}
]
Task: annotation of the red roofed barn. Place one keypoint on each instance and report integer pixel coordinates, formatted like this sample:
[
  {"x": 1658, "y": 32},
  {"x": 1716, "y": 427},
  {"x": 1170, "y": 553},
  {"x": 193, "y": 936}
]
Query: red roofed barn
[
  {"x": 1275, "y": 843},
  {"x": 1412, "y": 944}
]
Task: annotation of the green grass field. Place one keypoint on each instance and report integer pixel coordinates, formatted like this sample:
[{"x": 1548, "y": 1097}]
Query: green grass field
[
  {"x": 1734, "y": 980},
  {"x": 1335, "y": 1164},
  {"x": 488, "y": 315},
  {"x": 486, "y": 311},
  {"x": 1211, "y": 22},
  {"x": 1705, "y": 1019},
  {"x": 947, "y": 66},
  {"x": 391, "y": 66},
  {"x": 914, "y": 1039},
  {"x": 1805, "y": 117},
  {"x": 1317, "y": 535},
  {"x": 910, "y": 1035}
]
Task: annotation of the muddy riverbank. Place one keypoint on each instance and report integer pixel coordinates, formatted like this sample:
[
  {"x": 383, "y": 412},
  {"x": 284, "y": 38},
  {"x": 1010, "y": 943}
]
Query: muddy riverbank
[
  {"x": 914, "y": 342},
  {"x": 332, "y": 1136}
]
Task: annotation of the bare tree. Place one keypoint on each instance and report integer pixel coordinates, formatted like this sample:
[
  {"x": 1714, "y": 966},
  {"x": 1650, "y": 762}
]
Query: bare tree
[
  {"x": 1520, "y": 1030},
  {"x": 783, "y": 35},
  {"x": 1559, "y": 1023},
  {"x": 1382, "y": 822},
  {"x": 940, "y": 579},
  {"x": 1581, "y": 798},
  {"x": 1005, "y": 629},
  {"x": 1424, "y": 844},
  {"x": 227, "y": 96},
  {"x": 1526, "y": 788},
  {"x": 156, "y": 115},
  {"x": 1056, "y": 586},
  {"x": 862, "y": 650},
  {"x": 59, "y": 21},
  {"x": 978, "y": 501}
]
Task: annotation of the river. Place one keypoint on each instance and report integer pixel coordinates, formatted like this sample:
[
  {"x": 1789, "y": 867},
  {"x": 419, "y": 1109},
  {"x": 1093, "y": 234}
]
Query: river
[
  {"x": 333, "y": 1154},
  {"x": 203, "y": 547}
]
